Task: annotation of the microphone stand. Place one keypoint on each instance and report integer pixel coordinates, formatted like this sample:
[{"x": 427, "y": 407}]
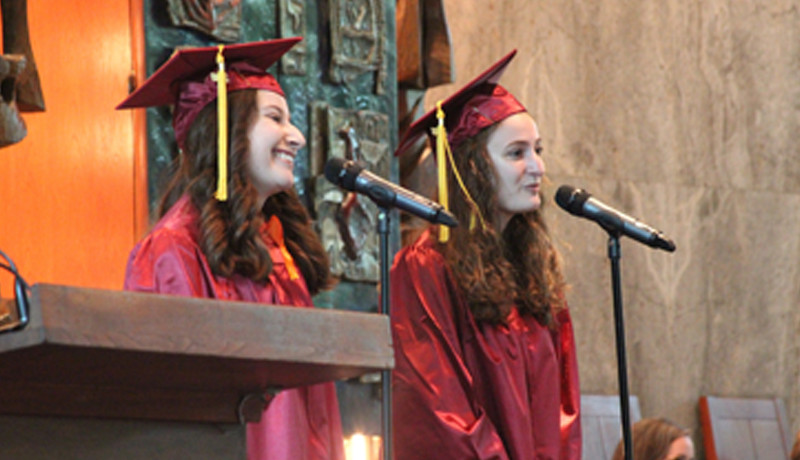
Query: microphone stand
[
  {"x": 614, "y": 254},
  {"x": 383, "y": 308}
]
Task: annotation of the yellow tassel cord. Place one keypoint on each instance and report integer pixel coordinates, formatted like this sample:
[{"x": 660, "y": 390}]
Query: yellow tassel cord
[
  {"x": 441, "y": 147},
  {"x": 444, "y": 155},
  {"x": 222, "y": 128}
]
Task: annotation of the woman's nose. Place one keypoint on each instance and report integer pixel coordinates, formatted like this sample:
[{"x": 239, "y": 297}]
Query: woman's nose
[
  {"x": 535, "y": 164},
  {"x": 295, "y": 137}
]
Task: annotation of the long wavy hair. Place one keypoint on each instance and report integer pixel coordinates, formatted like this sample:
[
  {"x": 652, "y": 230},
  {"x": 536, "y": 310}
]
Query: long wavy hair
[
  {"x": 229, "y": 230},
  {"x": 519, "y": 266}
]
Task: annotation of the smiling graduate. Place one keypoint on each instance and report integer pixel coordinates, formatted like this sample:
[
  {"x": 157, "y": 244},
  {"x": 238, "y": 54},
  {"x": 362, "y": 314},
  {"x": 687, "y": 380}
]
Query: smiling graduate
[{"x": 232, "y": 226}]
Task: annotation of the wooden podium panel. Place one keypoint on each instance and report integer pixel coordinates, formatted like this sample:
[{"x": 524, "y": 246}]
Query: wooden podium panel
[{"x": 115, "y": 354}]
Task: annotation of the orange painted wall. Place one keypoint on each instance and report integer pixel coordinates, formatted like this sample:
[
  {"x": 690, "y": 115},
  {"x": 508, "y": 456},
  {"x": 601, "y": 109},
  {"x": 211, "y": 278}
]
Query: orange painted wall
[{"x": 71, "y": 193}]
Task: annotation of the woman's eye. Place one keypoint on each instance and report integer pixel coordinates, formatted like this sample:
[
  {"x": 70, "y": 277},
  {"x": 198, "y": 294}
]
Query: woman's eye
[
  {"x": 276, "y": 117},
  {"x": 516, "y": 153}
]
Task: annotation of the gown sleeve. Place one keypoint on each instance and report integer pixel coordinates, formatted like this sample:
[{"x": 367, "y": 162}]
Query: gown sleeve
[
  {"x": 166, "y": 263},
  {"x": 435, "y": 412}
]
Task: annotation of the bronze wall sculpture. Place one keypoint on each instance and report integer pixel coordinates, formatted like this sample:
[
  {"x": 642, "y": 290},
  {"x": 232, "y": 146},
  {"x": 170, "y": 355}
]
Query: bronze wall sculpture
[
  {"x": 357, "y": 40},
  {"x": 21, "y": 90},
  {"x": 346, "y": 220},
  {"x": 293, "y": 24},
  {"x": 12, "y": 126},
  {"x": 221, "y": 19}
]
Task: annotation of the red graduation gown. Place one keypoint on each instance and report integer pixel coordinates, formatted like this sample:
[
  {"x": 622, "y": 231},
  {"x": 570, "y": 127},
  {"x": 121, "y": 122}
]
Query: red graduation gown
[
  {"x": 298, "y": 424},
  {"x": 464, "y": 390}
]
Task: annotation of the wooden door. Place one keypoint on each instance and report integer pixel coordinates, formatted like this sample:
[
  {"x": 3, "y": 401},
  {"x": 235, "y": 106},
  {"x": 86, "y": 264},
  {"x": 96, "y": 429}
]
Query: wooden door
[{"x": 68, "y": 203}]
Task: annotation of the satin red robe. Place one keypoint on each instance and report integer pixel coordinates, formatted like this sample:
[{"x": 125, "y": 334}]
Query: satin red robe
[
  {"x": 463, "y": 390},
  {"x": 298, "y": 424}
]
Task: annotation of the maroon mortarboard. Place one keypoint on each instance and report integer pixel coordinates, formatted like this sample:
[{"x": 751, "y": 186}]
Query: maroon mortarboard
[
  {"x": 186, "y": 81},
  {"x": 479, "y": 104}
]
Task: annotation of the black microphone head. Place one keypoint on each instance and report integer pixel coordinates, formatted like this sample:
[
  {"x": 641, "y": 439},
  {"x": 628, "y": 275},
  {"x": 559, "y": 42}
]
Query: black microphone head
[
  {"x": 665, "y": 244},
  {"x": 563, "y": 196},
  {"x": 334, "y": 168},
  {"x": 446, "y": 218},
  {"x": 342, "y": 172},
  {"x": 571, "y": 199}
]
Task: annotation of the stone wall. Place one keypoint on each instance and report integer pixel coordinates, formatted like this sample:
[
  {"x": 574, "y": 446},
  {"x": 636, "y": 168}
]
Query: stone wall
[{"x": 685, "y": 114}]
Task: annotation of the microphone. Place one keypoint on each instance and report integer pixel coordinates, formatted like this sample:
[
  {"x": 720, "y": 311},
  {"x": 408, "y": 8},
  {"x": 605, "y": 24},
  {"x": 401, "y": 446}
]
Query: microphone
[
  {"x": 349, "y": 175},
  {"x": 580, "y": 203}
]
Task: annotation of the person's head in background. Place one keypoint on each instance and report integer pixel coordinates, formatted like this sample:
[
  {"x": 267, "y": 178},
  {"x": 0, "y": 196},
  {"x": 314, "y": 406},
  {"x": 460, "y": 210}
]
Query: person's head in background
[
  {"x": 658, "y": 439},
  {"x": 493, "y": 183}
]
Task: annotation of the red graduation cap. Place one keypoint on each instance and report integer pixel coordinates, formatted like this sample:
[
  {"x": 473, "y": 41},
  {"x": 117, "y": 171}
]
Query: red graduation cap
[
  {"x": 479, "y": 104},
  {"x": 185, "y": 79},
  {"x": 189, "y": 80}
]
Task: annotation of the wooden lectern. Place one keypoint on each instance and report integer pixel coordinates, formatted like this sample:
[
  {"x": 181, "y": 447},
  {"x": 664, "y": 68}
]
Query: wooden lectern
[{"x": 162, "y": 362}]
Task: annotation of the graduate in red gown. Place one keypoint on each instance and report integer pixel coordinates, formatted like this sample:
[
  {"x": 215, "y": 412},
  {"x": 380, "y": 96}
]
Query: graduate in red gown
[
  {"x": 232, "y": 226},
  {"x": 484, "y": 346}
]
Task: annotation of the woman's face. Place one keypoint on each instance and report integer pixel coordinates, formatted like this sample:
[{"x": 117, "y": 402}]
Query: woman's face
[
  {"x": 515, "y": 150},
  {"x": 681, "y": 449},
  {"x": 274, "y": 143}
]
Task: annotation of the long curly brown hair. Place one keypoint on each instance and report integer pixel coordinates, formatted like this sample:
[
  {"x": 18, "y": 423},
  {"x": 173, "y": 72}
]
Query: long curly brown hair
[
  {"x": 495, "y": 271},
  {"x": 229, "y": 230}
]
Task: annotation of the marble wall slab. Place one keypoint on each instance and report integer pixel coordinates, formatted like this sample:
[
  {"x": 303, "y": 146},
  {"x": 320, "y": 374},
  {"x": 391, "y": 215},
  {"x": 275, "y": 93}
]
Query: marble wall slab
[{"x": 685, "y": 114}]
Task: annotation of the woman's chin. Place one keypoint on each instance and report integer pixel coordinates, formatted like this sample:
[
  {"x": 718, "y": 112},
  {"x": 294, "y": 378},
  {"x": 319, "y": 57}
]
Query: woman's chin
[
  {"x": 275, "y": 187},
  {"x": 536, "y": 203},
  {"x": 285, "y": 180},
  {"x": 287, "y": 184}
]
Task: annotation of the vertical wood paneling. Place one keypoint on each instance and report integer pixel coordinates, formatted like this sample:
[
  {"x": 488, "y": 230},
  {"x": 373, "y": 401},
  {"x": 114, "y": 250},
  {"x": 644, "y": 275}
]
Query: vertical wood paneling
[
  {"x": 67, "y": 195},
  {"x": 139, "y": 73}
]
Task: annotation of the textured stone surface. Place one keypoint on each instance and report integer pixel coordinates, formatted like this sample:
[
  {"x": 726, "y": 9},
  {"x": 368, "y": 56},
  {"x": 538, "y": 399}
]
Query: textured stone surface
[{"x": 684, "y": 114}]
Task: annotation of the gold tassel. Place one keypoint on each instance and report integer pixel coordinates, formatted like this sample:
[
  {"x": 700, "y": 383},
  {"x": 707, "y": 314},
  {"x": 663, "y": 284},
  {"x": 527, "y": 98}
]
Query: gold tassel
[
  {"x": 445, "y": 154},
  {"x": 441, "y": 147},
  {"x": 222, "y": 128}
]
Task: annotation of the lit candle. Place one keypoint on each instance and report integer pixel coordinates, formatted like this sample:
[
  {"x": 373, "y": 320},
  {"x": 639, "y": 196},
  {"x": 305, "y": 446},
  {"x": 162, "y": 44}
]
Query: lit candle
[
  {"x": 355, "y": 448},
  {"x": 362, "y": 447}
]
